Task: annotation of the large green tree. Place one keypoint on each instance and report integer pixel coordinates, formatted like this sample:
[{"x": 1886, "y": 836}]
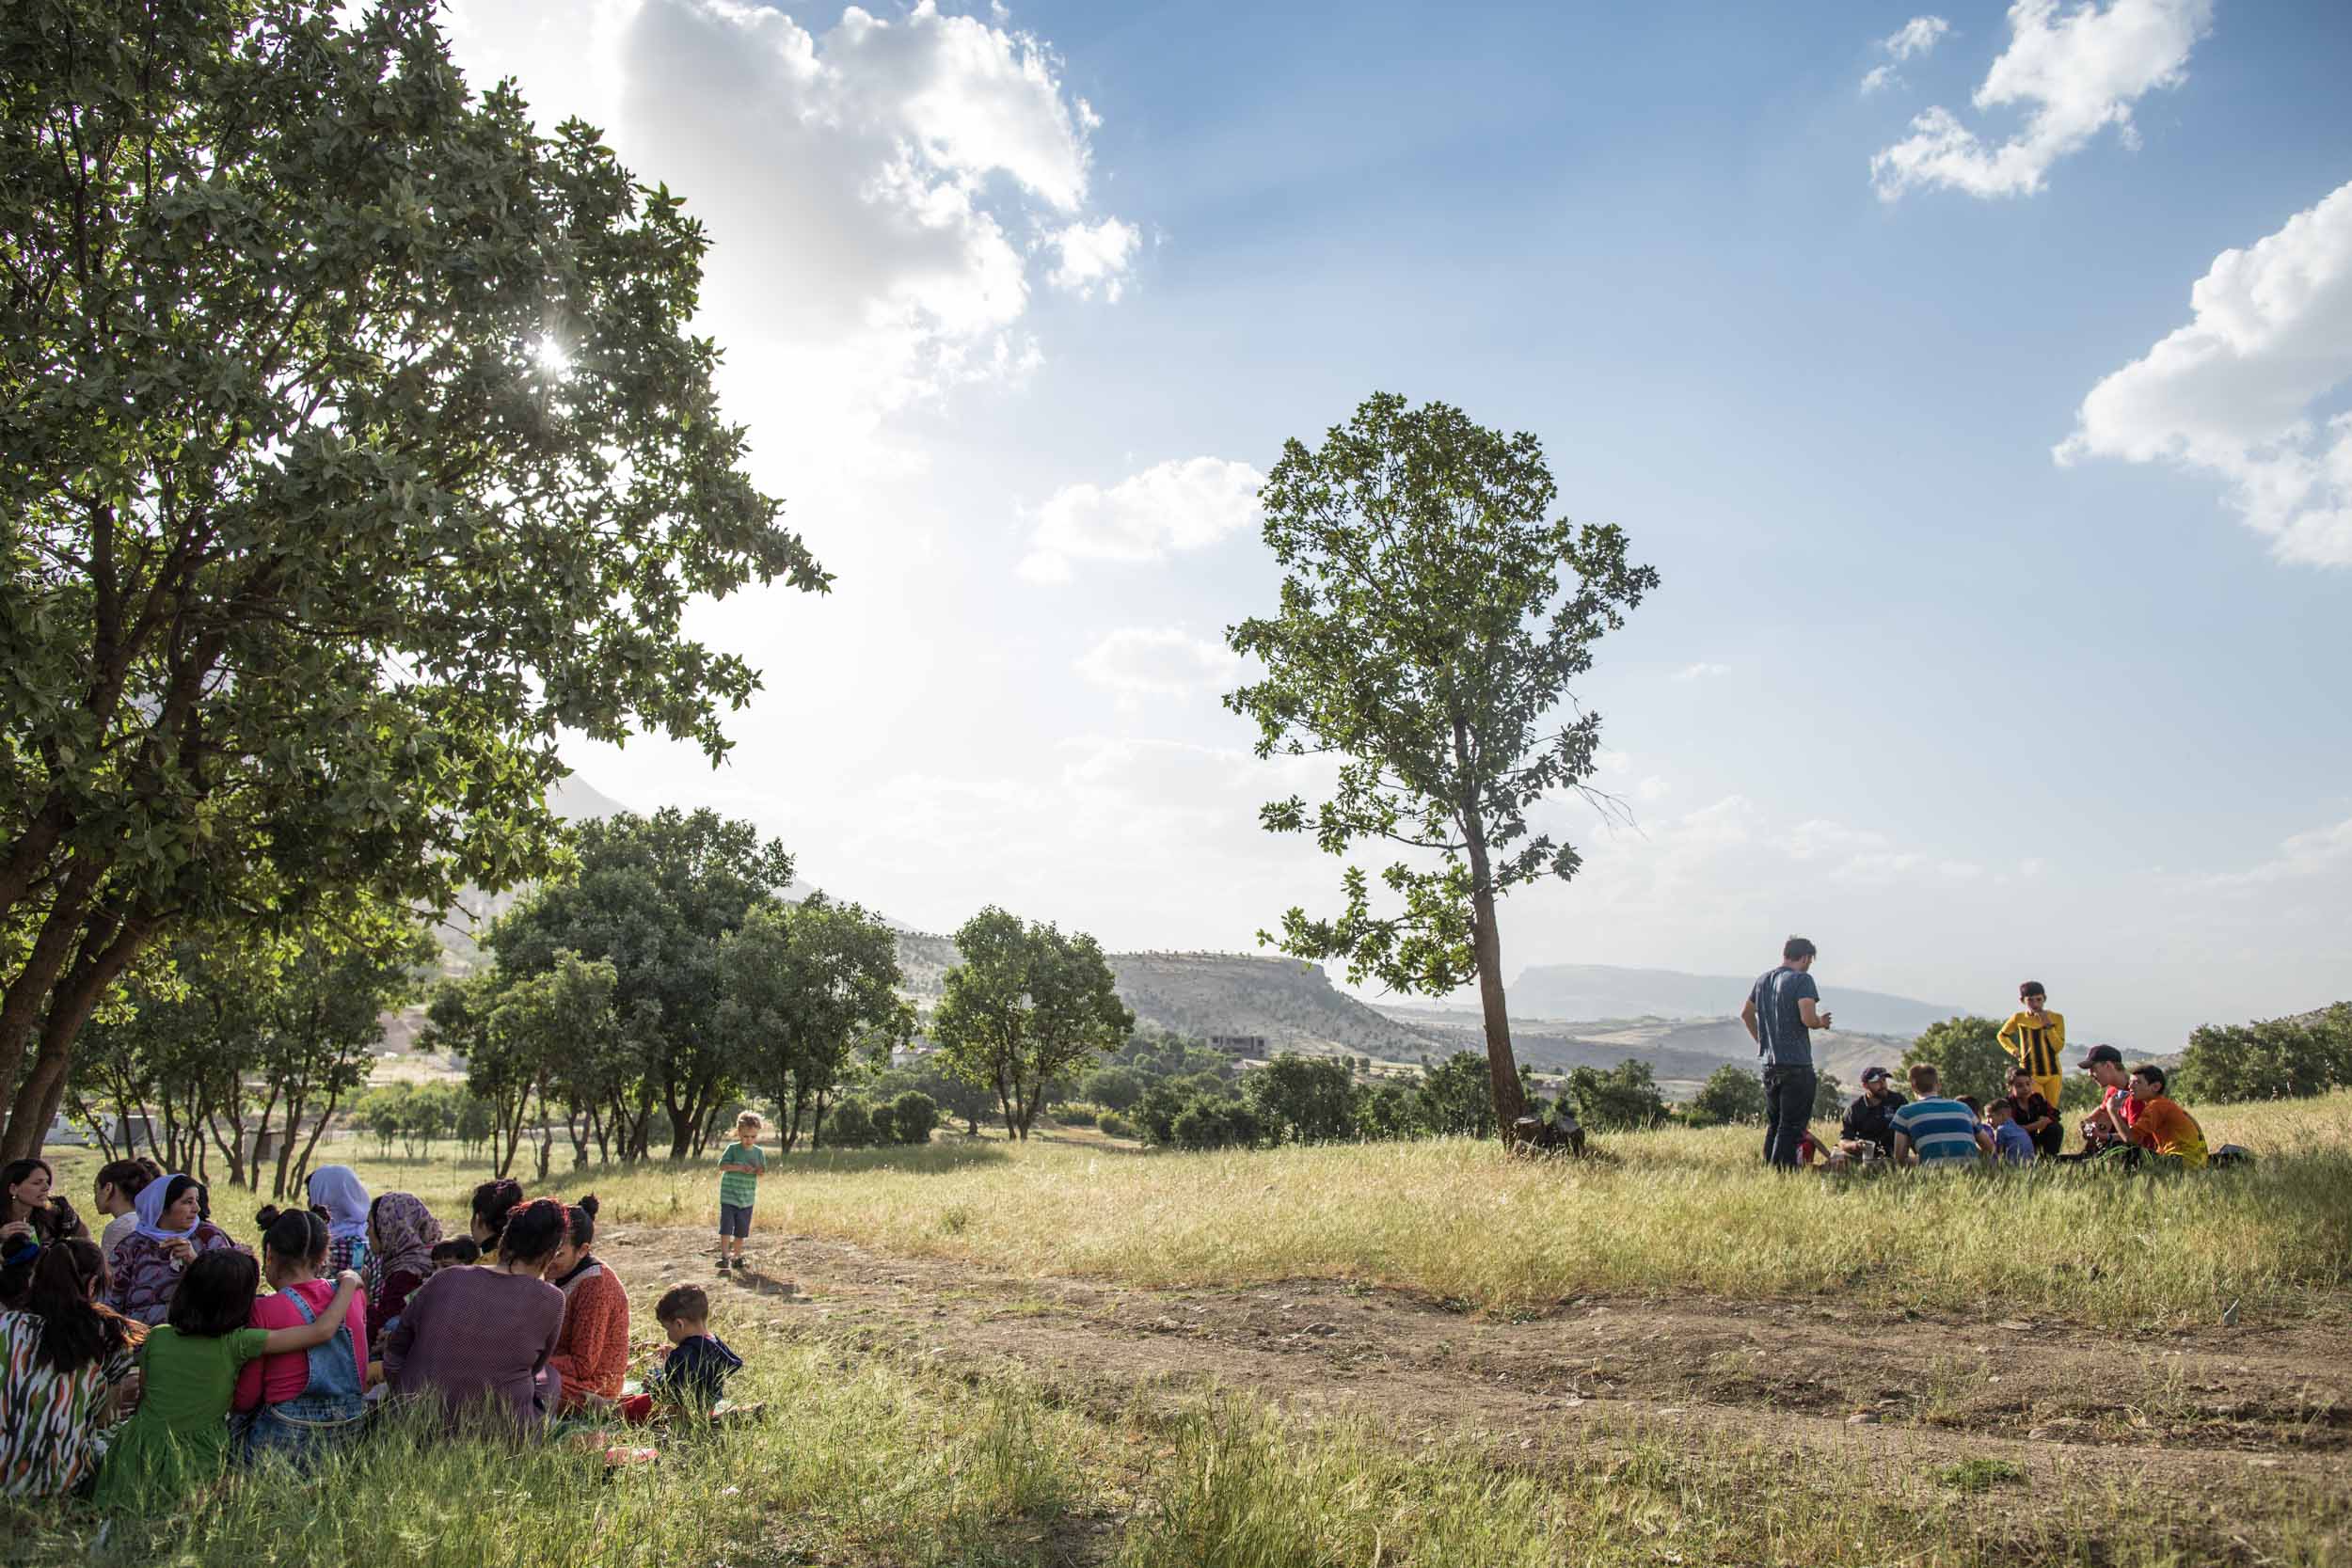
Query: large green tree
[
  {"x": 1968, "y": 1056},
  {"x": 1026, "y": 1006},
  {"x": 657, "y": 897},
  {"x": 353, "y": 444},
  {"x": 1432, "y": 618},
  {"x": 803, "y": 987}
]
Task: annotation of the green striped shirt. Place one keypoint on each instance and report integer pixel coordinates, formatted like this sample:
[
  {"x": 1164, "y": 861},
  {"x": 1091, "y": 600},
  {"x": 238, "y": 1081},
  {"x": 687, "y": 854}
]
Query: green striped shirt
[{"x": 740, "y": 1187}]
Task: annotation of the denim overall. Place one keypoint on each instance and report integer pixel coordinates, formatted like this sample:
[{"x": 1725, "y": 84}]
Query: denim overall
[{"x": 326, "y": 1414}]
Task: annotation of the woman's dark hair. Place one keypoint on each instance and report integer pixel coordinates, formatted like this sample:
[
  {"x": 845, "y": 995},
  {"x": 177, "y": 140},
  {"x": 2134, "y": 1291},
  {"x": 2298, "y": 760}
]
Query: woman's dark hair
[
  {"x": 179, "y": 1187},
  {"x": 296, "y": 1235},
  {"x": 153, "y": 1168},
  {"x": 215, "y": 1295},
  {"x": 75, "y": 1331},
  {"x": 126, "y": 1176},
  {"x": 580, "y": 1220},
  {"x": 534, "y": 1231},
  {"x": 1975, "y": 1105},
  {"x": 20, "y": 1171},
  {"x": 493, "y": 1201}
]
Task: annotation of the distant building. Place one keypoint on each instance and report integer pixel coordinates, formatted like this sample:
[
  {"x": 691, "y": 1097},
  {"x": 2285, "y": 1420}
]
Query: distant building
[{"x": 1239, "y": 1045}]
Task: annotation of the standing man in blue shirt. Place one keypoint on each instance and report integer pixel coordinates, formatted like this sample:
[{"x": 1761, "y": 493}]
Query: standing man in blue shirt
[{"x": 1783, "y": 1006}]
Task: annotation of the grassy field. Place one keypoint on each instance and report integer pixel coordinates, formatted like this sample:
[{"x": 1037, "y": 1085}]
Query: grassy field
[
  {"x": 890, "y": 1441},
  {"x": 861, "y": 1463},
  {"x": 1665, "y": 1212}
]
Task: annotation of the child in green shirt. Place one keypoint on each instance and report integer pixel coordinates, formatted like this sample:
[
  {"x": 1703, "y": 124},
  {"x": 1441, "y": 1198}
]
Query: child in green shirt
[
  {"x": 741, "y": 1164},
  {"x": 179, "y": 1435}
]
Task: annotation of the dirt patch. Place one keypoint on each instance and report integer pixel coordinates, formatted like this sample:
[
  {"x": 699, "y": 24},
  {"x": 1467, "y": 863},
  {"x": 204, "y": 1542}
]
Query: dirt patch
[{"x": 2073, "y": 1411}]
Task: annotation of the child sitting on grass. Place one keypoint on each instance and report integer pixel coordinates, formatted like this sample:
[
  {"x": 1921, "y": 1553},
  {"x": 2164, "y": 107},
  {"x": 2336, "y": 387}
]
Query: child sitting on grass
[
  {"x": 692, "y": 1377},
  {"x": 457, "y": 1253},
  {"x": 694, "y": 1374},
  {"x": 179, "y": 1436},
  {"x": 2011, "y": 1143}
]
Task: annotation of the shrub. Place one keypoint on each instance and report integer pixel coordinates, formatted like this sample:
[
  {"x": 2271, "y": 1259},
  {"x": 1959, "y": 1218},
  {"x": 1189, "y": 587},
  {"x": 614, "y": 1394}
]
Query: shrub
[
  {"x": 850, "y": 1125},
  {"x": 1624, "y": 1098},
  {"x": 912, "y": 1115},
  {"x": 1220, "y": 1122},
  {"x": 1731, "y": 1093},
  {"x": 1114, "y": 1088},
  {"x": 1116, "y": 1126},
  {"x": 1071, "y": 1113}
]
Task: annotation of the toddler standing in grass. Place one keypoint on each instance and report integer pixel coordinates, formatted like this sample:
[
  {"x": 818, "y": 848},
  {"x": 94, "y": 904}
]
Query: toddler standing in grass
[{"x": 741, "y": 1166}]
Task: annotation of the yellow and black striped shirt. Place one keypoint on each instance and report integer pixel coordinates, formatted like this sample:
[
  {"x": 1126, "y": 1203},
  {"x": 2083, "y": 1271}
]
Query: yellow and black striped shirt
[{"x": 2038, "y": 1042}]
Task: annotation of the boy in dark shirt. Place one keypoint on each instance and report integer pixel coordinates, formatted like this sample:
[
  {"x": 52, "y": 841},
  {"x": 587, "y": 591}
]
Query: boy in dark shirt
[
  {"x": 2032, "y": 1111},
  {"x": 694, "y": 1374}
]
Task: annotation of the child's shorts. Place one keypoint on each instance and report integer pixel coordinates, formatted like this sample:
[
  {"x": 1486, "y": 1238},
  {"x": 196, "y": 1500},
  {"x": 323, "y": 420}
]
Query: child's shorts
[{"x": 734, "y": 1219}]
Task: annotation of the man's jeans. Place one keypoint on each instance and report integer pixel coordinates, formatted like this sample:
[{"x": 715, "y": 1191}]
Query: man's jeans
[{"x": 1788, "y": 1107}]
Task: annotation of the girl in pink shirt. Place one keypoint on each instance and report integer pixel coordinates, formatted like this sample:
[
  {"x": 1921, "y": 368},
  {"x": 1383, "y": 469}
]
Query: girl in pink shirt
[{"x": 300, "y": 1404}]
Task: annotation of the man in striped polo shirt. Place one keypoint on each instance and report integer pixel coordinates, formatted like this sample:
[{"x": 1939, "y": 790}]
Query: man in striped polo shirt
[{"x": 1934, "y": 1130}]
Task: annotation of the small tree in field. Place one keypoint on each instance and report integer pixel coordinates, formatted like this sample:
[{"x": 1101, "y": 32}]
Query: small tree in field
[
  {"x": 1025, "y": 1006},
  {"x": 1624, "y": 1098},
  {"x": 803, "y": 988},
  {"x": 1431, "y": 620},
  {"x": 1731, "y": 1093},
  {"x": 1829, "y": 1097}
]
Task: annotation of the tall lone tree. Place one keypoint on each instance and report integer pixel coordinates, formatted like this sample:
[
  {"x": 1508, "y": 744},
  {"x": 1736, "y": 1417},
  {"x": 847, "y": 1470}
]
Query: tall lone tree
[
  {"x": 1432, "y": 619},
  {"x": 353, "y": 442}
]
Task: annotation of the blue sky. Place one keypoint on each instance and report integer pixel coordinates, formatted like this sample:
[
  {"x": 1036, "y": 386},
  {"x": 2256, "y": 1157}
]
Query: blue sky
[{"x": 1018, "y": 302}]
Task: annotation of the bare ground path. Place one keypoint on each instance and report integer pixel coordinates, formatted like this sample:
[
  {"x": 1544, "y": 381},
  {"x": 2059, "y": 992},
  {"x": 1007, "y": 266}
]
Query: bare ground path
[{"x": 2200, "y": 1419}]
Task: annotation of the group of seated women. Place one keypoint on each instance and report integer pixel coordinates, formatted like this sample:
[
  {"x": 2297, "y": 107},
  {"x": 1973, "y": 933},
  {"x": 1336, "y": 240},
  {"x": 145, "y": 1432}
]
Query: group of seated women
[{"x": 150, "y": 1355}]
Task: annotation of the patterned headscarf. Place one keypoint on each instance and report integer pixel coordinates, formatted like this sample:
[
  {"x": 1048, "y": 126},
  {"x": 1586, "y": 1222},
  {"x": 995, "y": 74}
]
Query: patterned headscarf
[{"x": 405, "y": 1233}]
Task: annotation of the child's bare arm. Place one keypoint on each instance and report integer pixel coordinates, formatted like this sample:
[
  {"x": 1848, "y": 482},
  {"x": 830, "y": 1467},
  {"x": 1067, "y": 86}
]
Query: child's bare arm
[{"x": 306, "y": 1336}]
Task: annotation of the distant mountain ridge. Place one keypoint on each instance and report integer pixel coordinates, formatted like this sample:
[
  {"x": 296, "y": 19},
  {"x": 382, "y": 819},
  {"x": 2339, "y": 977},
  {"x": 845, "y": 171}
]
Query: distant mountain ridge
[{"x": 1606, "y": 991}]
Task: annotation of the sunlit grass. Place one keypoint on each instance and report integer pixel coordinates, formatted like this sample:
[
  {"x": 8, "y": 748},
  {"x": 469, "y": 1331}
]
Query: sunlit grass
[{"x": 1672, "y": 1210}]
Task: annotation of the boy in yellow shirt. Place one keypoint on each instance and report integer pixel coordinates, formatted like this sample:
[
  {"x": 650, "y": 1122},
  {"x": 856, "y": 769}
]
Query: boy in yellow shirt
[{"x": 2037, "y": 1038}]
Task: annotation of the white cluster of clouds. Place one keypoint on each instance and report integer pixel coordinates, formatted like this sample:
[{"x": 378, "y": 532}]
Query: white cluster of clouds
[
  {"x": 1701, "y": 671},
  {"x": 1918, "y": 37},
  {"x": 2233, "y": 392},
  {"x": 2073, "y": 71},
  {"x": 2323, "y": 852},
  {"x": 885, "y": 194},
  {"x": 1160, "y": 661},
  {"x": 1183, "y": 505}
]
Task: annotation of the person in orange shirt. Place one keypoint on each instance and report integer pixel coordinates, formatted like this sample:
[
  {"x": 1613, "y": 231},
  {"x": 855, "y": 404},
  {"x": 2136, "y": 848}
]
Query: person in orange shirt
[{"x": 2162, "y": 1126}]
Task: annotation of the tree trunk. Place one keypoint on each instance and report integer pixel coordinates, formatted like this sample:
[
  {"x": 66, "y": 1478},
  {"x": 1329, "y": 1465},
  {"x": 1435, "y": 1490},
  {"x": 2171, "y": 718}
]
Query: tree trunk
[
  {"x": 302, "y": 1168},
  {"x": 71, "y": 1002},
  {"x": 1502, "y": 1072}
]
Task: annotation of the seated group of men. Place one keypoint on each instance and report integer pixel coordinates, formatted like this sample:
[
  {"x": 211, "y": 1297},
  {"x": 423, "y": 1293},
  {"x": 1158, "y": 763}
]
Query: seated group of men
[{"x": 2134, "y": 1120}]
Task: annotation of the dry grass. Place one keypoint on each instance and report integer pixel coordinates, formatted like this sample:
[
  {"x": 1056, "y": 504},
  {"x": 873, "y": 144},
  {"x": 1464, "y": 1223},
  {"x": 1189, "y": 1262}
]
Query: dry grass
[{"x": 1664, "y": 1211}]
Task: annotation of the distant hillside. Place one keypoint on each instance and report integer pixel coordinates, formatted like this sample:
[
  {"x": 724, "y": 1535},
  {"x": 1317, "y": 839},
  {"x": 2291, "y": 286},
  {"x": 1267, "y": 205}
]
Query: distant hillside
[
  {"x": 1289, "y": 1001},
  {"x": 1292, "y": 1004},
  {"x": 1681, "y": 1051},
  {"x": 1601, "y": 990},
  {"x": 574, "y": 800}
]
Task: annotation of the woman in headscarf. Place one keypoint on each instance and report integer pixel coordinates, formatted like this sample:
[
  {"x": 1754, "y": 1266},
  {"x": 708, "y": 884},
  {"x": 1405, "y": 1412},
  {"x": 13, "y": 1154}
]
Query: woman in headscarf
[
  {"x": 171, "y": 1234},
  {"x": 401, "y": 1235},
  {"x": 337, "y": 1189}
]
